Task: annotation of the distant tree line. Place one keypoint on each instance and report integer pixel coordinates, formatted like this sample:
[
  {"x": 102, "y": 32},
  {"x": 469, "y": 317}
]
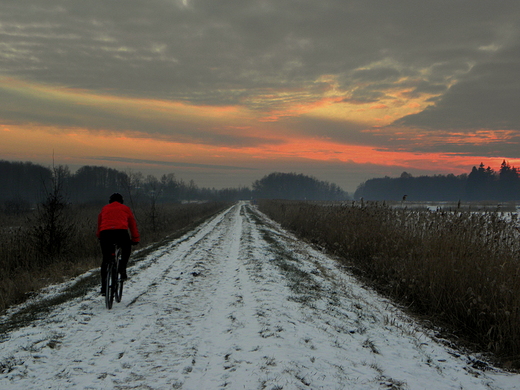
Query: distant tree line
[
  {"x": 481, "y": 184},
  {"x": 293, "y": 186},
  {"x": 24, "y": 184}
]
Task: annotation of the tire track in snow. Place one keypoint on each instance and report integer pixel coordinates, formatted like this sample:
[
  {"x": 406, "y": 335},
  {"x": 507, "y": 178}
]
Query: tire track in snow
[
  {"x": 226, "y": 314},
  {"x": 182, "y": 300}
]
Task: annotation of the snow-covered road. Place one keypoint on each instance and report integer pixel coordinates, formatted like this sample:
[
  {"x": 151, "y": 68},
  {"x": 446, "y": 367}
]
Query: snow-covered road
[{"x": 237, "y": 303}]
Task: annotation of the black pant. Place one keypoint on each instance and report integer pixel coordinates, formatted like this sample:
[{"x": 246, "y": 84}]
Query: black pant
[{"x": 107, "y": 239}]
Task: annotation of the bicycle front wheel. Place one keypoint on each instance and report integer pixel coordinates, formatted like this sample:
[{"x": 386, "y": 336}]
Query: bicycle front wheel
[
  {"x": 119, "y": 289},
  {"x": 111, "y": 283}
]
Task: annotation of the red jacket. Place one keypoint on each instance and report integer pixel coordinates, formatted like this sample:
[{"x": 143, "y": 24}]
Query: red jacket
[{"x": 117, "y": 216}]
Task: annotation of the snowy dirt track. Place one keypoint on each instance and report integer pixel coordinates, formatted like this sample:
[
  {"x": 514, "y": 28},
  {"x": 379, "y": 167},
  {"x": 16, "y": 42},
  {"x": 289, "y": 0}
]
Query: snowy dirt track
[{"x": 237, "y": 303}]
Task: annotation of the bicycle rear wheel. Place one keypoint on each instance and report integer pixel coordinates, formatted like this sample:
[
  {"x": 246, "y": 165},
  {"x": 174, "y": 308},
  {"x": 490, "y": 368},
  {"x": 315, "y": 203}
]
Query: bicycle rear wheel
[{"x": 111, "y": 284}]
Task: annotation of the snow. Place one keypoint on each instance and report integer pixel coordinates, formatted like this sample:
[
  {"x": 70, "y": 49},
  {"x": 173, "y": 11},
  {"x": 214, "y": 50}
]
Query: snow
[{"x": 237, "y": 303}]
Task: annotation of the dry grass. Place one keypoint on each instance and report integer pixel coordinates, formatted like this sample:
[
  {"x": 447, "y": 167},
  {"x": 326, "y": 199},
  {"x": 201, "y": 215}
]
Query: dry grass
[
  {"x": 460, "y": 268},
  {"x": 25, "y": 269}
]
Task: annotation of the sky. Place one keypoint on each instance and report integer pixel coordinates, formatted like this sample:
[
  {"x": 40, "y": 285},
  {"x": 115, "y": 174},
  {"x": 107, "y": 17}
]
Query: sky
[{"x": 225, "y": 92}]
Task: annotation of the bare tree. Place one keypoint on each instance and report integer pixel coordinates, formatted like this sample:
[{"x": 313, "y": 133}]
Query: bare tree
[
  {"x": 53, "y": 229},
  {"x": 154, "y": 189}
]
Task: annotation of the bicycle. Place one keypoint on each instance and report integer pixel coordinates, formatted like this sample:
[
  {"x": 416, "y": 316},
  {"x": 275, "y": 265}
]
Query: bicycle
[{"x": 113, "y": 282}]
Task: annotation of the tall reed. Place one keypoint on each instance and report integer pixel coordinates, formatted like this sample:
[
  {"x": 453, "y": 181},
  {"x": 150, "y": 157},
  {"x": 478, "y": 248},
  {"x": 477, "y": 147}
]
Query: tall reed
[{"x": 461, "y": 268}]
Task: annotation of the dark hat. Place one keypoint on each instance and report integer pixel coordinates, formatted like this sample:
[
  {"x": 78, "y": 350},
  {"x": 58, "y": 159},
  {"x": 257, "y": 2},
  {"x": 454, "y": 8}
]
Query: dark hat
[{"x": 116, "y": 197}]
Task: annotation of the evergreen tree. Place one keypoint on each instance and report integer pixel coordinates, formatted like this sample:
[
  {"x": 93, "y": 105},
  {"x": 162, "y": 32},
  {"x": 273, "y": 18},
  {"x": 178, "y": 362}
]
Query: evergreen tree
[
  {"x": 480, "y": 185},
  {"x": 509, "y": 183},
  {"x": 52, "y": 230}
]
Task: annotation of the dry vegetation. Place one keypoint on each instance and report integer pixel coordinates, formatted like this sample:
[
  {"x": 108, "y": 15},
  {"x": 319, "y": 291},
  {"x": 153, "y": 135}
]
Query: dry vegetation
[
  {"x": 459, "y": 268},
  {"x": 27, "y": 264}
]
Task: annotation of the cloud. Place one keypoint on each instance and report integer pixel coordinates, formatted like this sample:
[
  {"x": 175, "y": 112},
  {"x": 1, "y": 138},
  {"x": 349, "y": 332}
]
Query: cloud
[
  {"x": 28, "y": 104},
  {"x": 485, "y": 98},
  {"x": 221, "y": 52},
  {"x": 169, "y": 163},
  {"x": 241, "y": 74}
]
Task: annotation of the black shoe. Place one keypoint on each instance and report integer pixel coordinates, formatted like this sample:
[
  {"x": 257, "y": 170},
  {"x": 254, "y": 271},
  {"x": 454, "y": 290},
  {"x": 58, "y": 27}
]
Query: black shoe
[{"x": 103, "y": 293}]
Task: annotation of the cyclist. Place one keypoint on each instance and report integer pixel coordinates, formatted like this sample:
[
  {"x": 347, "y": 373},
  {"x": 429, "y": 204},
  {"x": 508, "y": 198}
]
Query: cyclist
[{"x": 114, "y": 221}]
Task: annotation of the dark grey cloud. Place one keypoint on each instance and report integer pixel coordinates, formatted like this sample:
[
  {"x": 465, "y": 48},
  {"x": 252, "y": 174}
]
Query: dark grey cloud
[
  {"x": 487, "y": 97},
  {"x": 176, "y": 164},
  {"x": 375, "y": 74},
  {"x": 131, "y": 44},
  {"x": 481, "y": 144},
  {"x": 346, "y": 132},
  {"x": 229, "y": 52}
]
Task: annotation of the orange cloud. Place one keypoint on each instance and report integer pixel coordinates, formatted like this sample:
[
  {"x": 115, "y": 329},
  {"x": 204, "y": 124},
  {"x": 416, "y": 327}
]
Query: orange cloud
[
  {"x": 272, "y": 143},
  {"x": 78, "y": 147}
]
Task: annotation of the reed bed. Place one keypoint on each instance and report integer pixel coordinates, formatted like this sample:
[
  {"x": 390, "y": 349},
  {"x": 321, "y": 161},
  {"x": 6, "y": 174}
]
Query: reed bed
[
  {"x": 25, "y": 268},
  {"x": 461, "y": 269}
]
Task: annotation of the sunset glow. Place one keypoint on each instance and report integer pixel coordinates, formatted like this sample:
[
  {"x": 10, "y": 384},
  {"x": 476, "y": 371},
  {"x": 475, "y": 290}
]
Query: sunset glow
[
  {"x": 334, "y": 98},
  {"x": 88, "y": 145}
]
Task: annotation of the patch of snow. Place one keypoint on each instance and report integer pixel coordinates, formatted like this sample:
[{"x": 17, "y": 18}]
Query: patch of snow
[{"x": 238, "y": 303}]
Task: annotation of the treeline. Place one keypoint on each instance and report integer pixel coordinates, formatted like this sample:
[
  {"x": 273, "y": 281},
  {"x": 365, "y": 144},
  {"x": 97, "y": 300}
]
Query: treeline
[
  {"x": 23, "y": 184},
  {"x": 480, "y": 184},
  {"x": 293, "y": 186}
]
